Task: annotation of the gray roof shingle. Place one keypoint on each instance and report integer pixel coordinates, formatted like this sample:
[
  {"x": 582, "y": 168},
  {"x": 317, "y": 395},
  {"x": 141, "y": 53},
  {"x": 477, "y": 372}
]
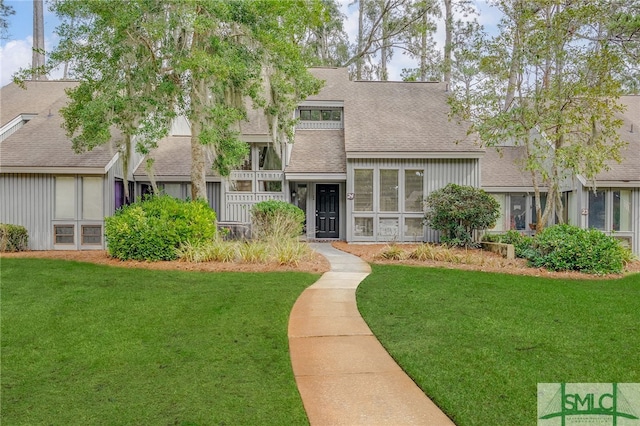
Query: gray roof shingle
[
  {"x": 629, "y": 169},
  {"x": 42, "y": 142},
  {"x": 318, "y": 151}
]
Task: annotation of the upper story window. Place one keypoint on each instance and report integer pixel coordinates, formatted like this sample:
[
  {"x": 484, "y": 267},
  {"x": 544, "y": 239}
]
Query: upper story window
[{"x": 320, "y": 118}]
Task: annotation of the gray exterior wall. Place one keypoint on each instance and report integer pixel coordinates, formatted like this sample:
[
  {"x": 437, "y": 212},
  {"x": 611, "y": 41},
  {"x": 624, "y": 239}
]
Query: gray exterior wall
[
  {"x": 437, "y": 173},
  {"x": 29, "y": 200}
]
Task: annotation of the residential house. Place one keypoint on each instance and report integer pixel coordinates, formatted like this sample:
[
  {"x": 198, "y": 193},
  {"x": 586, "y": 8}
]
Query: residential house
[
  {"x": 59, "y": 196},
  {"x": 610, "y": 202},
  {"x": 364, "y": 156}
]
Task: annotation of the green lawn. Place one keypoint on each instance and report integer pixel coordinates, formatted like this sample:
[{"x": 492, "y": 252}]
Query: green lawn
[
  {"x": 88, "y": 344},
  {"x": 478, "y": 343}
]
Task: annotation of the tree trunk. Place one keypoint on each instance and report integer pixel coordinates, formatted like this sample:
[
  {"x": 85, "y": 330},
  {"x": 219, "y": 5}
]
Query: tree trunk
[
  {"x": 359, "y": 61},
  {"x": 448, "y": 29},
  {"x": 198, "y": 165},
  {"x": 37, "y": 57}
]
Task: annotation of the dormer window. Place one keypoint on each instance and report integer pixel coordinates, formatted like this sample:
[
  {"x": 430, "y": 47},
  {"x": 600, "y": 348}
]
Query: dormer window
[{"x": 319, "y": 117}]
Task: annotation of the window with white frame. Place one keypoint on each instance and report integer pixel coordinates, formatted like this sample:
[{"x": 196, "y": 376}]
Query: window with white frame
[{"x": 622, "y": 210}]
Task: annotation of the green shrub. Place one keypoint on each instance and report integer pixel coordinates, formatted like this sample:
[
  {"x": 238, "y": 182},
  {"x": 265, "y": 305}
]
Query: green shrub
[
  {"x": 290, "y": 252},
  {"x": 522, "y": 244},
  {"x": 276, "y": 220},
  {"x": 13, "y": 238},
  {"x": 459, "y": 210},
  {"x": 569, "y": 248},
  {"x": 154, "y": 228}
]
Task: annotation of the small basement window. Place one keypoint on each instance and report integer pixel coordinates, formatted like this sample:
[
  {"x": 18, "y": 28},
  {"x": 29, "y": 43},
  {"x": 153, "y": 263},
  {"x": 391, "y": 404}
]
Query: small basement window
[
  {"x": 92, "y": 234},
  {"x": 64, "y": 234}
]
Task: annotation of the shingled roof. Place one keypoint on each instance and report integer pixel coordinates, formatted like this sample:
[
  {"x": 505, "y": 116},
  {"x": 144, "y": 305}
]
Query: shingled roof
[
  {"x": 172, "y": 160},
  {"x": 628, "y": 171},
  {"x": 400, "y": 118},
  {"x": 42, "y": 144},
  {"x": 318, "y": 151}
]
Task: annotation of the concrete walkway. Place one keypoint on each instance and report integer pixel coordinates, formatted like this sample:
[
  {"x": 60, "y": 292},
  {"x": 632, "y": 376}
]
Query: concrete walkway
[{"x": 344, "y": 375}]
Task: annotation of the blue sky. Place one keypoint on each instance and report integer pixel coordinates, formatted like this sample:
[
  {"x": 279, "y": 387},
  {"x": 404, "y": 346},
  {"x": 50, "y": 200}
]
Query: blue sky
[{"x": 15, "y": 52}]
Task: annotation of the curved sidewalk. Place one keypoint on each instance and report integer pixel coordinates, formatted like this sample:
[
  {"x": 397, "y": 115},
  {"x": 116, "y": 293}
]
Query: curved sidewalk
[{"x": 344, "y": 375}]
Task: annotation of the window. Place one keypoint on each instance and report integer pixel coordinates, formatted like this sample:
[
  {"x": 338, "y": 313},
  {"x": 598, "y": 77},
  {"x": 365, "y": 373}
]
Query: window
[
  {"x": 63, "y": 234},
  {"x": 500, "y": 198},
  {"x": 270, "y": 185},
  {"x": 363, "y": 186},
  {"x": 388, "y": 227},
  {"x": 320, "y": 114},
  {"x": 622, "y": 210},
  {"x": 518, "y": 212},
  {"x": 92, "y": 198},
  {"x": 269, "y": 159},
  {"x": 65, "y": 204},
  {"x": 91, "y": 234},
  {"x": 597, "y": 209},
  {"x": 389, "y": 190},
  {"x": 241, "y": 185},
  {"x": 363, "y": 227},
  {"x": 413, "y": 228},
  {"x": 413, "y": 190},
  {"x": 173, "y": 189}
]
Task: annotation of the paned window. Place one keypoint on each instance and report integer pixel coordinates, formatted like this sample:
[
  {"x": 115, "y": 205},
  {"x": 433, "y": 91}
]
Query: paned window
[
  {"x": 363, "y": 185},
  {"x": 63, "y": 234},
  {"x": 389, "y": 190},
  {"x": 413, "y": 190},
  {"x": 320, "y": 114},
  {"x": 91, "y": 234}
]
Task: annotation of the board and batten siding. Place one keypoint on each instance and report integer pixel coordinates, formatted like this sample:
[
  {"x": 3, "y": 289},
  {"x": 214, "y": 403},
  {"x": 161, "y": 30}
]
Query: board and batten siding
[
  {"x": 437, "y": 174},
  {"x": 27, "y": 200}
]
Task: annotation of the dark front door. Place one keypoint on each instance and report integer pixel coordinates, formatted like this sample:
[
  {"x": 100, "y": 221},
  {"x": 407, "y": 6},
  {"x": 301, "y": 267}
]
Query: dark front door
[{"x": 327, "y": 211}]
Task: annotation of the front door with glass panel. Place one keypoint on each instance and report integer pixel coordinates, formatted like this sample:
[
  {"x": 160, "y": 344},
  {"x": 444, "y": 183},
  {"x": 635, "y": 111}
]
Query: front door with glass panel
[{"x": 327, "y": 211}]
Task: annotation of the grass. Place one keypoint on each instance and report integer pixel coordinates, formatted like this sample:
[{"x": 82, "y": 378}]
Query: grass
[
  {"x": 90, "y": 344},
  {"x": 478, "y": 343}
]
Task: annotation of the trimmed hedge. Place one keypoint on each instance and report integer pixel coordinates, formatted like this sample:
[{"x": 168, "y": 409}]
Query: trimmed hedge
[
  {"x": 276, "y": 220},
  {"x": 13, "y": 238},
  {"x": 156, "y": 227}
]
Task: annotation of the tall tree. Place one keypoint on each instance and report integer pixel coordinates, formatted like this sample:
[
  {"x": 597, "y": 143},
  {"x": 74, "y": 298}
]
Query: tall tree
[
  {"x": 5, "y": 12},
  {"x": 326, "y": 41},
  {"x": 382, "y": 26},
  {"x": 559, "y": 90},
  {"x": 37, "y": 57},
  {"x": 141, "y": 63}
]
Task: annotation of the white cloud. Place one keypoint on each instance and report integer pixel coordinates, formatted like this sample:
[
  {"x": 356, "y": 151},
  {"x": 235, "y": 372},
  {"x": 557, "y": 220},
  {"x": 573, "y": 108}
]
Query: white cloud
[{"x": 17, "y": 54}]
